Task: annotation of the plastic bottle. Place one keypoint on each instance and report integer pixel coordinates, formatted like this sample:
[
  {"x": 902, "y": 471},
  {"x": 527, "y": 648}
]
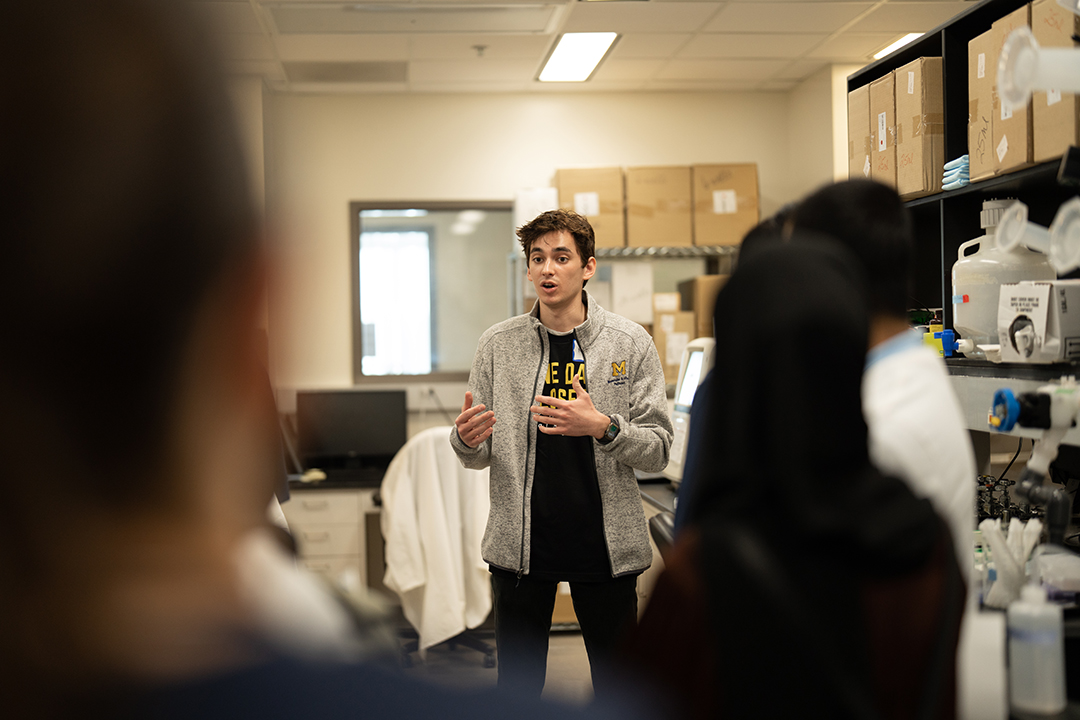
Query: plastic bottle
[
  {"x": 1036, "y": 654},
  {"x": 977, "y": 278}
]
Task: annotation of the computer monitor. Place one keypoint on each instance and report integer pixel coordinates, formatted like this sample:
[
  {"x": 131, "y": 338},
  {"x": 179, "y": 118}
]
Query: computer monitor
[
  {"x": 350, "y": 429},
  {"x": 697, "y": 360}
]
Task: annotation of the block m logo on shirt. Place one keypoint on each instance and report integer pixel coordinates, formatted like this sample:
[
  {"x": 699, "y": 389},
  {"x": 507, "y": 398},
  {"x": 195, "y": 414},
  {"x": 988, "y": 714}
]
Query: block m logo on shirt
[{"x": 618, "y": 369}]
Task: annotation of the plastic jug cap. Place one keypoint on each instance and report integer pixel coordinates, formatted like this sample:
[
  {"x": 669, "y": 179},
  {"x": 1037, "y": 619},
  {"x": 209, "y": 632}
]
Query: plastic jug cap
[{"x": 1033, "y": 594}]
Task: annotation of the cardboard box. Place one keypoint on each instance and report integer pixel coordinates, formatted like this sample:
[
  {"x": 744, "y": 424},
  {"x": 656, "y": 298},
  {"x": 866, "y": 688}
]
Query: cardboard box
[
  {"x": 981, "y": 91},
  {"x": 1013, "y": 148},
  {"x": 666, "y": 302},
  {"x": 699, "y": 296},
  {"x": 858, "y": 132},
  {"x": 920, "y": 128},
  {"x": 658, "y": 207},
  {"x": 671, "y": 333},
  {"x": 1039, "y": 321},
  {"x": 883, "y": 121},
  {"x": 1055, "y": 122},
  {"x": 725, "y": 202},
  {"x": 599, "y": 195}
]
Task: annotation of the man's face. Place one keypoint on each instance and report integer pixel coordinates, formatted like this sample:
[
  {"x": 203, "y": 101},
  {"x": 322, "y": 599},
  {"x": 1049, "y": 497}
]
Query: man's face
[{"x": 556, "y": 271}]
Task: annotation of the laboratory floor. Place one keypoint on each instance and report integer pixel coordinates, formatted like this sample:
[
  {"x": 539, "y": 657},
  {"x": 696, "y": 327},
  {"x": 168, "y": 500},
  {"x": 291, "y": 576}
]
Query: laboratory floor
[{"x": 568, "y": 677}]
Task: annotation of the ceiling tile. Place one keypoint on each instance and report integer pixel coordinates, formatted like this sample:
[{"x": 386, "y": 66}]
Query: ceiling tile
[
  {"x": 778, "y": 86},
  {"x": 475, "y": 70},
  {"x": 229, "y": 17},
  {"x": 800, "y": 70},
  {"x": 624, "y": 70},
  {"x": 749, "y": 45},
  {"x": 702, "y": 86},
  {"x": 409, "y": 18},
  {"x": 343, "y": 47},
  {"x": 852, "y": 47},
  {"x": 909, "y": 17},
  {"x": 806, "y": 17},
  {"x": 627, "y": 17},
  {"x": 649, "y": 45},
  {"x": 719, "y": 69},
  {"x": 463, "y": 47}
]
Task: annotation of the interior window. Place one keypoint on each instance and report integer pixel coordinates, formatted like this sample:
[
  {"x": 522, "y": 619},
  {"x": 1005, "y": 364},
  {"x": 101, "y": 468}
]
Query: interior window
[{"x": 427, "y": 281}]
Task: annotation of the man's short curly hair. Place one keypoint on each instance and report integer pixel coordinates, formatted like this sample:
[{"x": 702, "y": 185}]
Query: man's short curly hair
[{"x": 554, "y": 221}]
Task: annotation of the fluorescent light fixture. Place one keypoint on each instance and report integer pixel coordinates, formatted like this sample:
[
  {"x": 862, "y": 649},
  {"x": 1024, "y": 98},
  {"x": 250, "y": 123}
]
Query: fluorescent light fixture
[
  {"x": 576, "y": 56},
  {"x": 392, "y": 213},
  {"x": 898, "y": 44}
]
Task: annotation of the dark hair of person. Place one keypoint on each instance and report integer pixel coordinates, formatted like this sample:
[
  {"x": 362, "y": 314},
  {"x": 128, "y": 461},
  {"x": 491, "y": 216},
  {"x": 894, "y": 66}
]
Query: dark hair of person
[
  {"x": 556, "y": 221},
  {"x": 870, "y": 220},
  {"x": 125, "y": 200}
]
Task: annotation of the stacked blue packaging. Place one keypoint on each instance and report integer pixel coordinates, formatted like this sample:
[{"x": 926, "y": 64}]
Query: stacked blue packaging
[{"x": 956, "y": 174}]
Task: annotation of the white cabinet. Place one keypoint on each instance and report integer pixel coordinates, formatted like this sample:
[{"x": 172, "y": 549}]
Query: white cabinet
[{"x": 331, "y": 527}]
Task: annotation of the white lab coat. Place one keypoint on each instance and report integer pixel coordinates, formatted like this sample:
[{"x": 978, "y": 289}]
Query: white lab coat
[
  {"x": 433, "y": 519},
  {"x": 917, "y": 434}
]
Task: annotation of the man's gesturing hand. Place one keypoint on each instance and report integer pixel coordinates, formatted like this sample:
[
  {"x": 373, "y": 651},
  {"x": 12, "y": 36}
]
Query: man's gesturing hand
[
  {"x": 574, "y": 418},
  {"x": 474, "y": 426}
]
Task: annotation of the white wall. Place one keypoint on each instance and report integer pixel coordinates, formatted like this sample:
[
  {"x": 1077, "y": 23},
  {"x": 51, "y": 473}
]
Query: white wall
[{"x": 323, "y": 151}]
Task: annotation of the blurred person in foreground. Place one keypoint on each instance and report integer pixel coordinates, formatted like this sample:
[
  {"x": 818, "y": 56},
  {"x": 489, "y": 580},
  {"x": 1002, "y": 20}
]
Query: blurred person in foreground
[
  {"x": 917, "y": 429},
  {"x": 137, "y": 436},
  {"x": 805, "y": 582}
]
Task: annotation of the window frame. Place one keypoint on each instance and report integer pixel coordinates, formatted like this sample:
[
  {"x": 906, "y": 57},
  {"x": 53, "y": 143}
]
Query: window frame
[{"x": 355, "y": 208}]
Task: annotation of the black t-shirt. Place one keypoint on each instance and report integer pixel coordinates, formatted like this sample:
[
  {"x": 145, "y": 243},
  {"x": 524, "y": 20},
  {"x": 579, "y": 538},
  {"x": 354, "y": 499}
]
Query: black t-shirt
[{"x": 567, "y": 515}]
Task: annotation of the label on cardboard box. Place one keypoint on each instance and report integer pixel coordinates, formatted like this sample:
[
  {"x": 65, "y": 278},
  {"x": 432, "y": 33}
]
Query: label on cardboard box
[
  {"x": 667, "y": 323},
  {"x": 724, "y": 202},
  {"x": 1003, "y": 148},
  {"x": 1006, "y": 109},
  {"x": 1053, "y": 97},
  {"x": 982, "y": 65},
  {"x": 881, "y": 129},
  {"x": 676, "y": 344},
  {"x": 587, "y": 203},
  {"x": 911, "y": 83}
]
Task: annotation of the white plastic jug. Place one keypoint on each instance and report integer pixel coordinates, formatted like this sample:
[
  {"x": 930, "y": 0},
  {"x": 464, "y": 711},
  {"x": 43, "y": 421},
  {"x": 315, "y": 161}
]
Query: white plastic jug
[{"x": 977, "y": 279}]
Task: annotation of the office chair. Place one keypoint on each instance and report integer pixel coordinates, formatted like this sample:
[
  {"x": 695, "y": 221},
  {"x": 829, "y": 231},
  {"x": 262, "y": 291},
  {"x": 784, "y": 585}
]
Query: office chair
[{"x": 434, "y": 512}]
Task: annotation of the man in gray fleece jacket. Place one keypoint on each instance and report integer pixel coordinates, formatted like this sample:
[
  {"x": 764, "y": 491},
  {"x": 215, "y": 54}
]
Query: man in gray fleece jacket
[{"x": 579, "y": 396}]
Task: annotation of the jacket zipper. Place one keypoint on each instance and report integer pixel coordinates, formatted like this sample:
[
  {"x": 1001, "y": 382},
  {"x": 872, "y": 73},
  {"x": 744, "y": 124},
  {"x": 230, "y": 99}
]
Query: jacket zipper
[
  {"x": 528, "y": 445},
  {"x": 603, "y": 517}
]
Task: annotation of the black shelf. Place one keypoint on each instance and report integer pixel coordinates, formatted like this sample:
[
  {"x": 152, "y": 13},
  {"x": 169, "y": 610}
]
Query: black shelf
[{"x": 945, "y": 220}]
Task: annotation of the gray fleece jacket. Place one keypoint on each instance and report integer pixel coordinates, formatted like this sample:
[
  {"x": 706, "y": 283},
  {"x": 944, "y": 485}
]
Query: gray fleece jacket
[{"x": 625, "y": 380}]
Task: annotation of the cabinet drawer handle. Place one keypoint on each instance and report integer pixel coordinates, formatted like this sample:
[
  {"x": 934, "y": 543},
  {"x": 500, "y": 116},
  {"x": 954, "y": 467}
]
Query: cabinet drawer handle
[
  {"x": 315, "y": 504},
  {"x": 317, "y": 536}
]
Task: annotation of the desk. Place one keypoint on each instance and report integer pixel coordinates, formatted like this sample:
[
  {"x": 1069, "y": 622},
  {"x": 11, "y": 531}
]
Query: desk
[{"x": 658, "y": 495}]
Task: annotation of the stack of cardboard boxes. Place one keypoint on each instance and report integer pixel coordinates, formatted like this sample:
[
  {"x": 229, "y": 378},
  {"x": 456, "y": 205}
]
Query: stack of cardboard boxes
[
  {"x": 1001, "y": 138},
  {"x": 683, "y": 316},
  {"x": 673, "y": 206},
  {"x": 896, "y": 129},
  {"x": 895, "y": 124}
]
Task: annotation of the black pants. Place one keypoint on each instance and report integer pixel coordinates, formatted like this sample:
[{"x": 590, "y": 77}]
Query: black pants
[{"x": 605, "y": 612}]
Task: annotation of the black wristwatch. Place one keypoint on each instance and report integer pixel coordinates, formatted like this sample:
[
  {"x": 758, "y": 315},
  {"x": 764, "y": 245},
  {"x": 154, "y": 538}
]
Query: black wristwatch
[{"x": 611, "y": 433}]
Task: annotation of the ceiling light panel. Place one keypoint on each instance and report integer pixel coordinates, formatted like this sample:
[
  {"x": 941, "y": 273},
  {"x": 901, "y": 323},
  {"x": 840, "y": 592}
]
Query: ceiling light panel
[
  {"x": 575, "y": 56},
  {"x": 313, "y": 19}
]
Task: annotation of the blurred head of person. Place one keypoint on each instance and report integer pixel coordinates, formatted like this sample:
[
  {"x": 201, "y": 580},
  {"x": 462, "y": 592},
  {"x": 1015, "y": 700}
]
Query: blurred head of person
[
  {"x": 871, "y": 222},
  {"x": 133, "y": 419}
]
